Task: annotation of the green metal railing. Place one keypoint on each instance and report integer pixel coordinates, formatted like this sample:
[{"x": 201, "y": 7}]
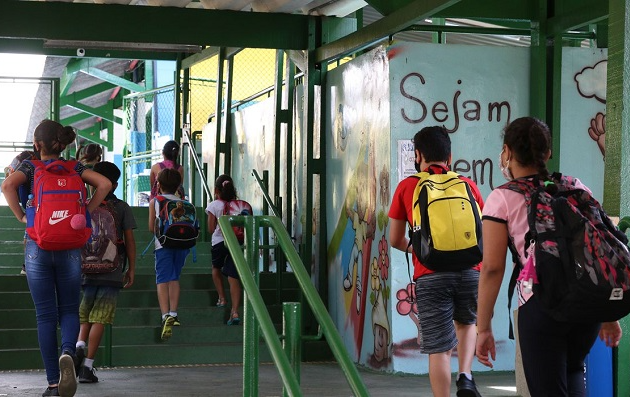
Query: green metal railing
[{"x": 257, "y": 318}]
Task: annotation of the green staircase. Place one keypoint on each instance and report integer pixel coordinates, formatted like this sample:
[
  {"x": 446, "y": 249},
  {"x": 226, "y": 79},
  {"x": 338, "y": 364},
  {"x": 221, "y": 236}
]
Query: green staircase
[{"x": 134, "y": 339}]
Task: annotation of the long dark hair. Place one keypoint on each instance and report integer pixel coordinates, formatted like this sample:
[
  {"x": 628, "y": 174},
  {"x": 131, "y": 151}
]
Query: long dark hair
[
  {"x": 89, "y": 153},
  {"x": 224, "y": 186},
  {"x": 170, "y": 151},
  {"x": 529, "y": 139}
]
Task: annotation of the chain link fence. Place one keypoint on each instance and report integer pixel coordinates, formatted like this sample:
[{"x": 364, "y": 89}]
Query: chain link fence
[
  {"x": 149, "y": 124},
  {"x": 254, "y": 77}
]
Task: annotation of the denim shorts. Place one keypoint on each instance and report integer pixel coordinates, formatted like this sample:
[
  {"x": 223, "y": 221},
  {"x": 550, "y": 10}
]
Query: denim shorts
[
  {"x": 98, "y": 304},
  {"x": 442, "y": 297}
]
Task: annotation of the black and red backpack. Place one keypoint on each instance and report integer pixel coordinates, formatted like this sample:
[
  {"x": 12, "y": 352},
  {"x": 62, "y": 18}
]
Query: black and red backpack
[{"x": 582, "y": 261}]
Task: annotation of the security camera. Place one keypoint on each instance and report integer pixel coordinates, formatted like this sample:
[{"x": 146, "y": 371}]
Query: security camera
[{"x": 80, "y": 52}]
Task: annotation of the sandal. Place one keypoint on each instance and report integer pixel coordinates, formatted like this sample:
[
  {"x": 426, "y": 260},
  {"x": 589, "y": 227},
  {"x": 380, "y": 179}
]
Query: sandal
[
  {"x": 234, "y": 319},
  {"x": 221, "y": 302}
]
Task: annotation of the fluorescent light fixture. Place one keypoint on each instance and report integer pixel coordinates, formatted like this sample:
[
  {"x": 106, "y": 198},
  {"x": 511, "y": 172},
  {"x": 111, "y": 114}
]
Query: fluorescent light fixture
[{"x": 114, "y": 45}]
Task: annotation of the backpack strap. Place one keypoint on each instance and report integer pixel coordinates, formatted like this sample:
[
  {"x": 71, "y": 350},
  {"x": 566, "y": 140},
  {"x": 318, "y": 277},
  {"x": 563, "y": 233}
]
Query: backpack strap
[
  {"x": 525, "y": 187},
  {"x": 109, "y": 204}
]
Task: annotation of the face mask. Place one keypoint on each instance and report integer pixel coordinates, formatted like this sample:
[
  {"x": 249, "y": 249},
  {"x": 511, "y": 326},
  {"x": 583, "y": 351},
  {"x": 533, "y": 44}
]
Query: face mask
[{"x": 507, "y": 174}]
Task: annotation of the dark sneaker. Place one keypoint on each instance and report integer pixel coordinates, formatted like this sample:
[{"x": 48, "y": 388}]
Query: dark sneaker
[
  {"x": 80, "y": 355},
  {"x": 466, "y": 387},
  {"x": 87, "y": 375},
  {"x": 23, "y": 273},
  {"x": 176, "y": 322},
  {"x": 167, "y": 327},
  {"x": 51, "y": 391},
  {"x": 68, "y": 376}
]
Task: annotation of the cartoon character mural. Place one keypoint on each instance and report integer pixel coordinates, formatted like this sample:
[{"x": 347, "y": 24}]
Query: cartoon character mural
[
  {"x": 360, "y": 207},
  {"x": 591, "y": 83},
  {"x": 360, "y": 146},
  {"x": 379, "y": 298}
]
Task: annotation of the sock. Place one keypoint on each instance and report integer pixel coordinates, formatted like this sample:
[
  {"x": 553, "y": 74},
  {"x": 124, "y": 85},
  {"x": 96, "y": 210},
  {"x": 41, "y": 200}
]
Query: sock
[
  {"x": 468, "y": 376},
  {"x": 88, "y": 363},
  {"x": 164, "y": 316},
  {"x": 81, "y": 344},
  {"x": 172, "y": 314}
]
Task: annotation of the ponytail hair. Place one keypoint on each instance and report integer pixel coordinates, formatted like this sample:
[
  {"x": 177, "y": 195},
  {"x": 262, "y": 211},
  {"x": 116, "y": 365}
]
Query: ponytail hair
[
  {"x": 53, "y": 137},
  {"x": 224, "y": 185},
  {"x": 170, "y": 151},
  {"x": 529, "y": 139}
]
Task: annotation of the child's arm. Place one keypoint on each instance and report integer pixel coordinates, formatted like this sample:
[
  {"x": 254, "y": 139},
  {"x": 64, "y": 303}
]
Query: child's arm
[
  {"x": 10, "y": 189},
  {"x": 152, "y": 216},
  {"x": 130, "y": 248},
  {"x": 212, "y": 222},
  {"x": 103, "y": 187}
]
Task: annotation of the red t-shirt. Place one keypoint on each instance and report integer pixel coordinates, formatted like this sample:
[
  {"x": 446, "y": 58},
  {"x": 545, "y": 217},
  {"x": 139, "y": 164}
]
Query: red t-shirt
[{"x": 401, "y": 209}]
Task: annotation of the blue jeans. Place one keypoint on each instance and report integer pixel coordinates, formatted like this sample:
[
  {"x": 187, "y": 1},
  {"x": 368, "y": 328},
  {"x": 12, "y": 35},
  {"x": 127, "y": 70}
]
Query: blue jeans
[{"x": 54, "y": 278}]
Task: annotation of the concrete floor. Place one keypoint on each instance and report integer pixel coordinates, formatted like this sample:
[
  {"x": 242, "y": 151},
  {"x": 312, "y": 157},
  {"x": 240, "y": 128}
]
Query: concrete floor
[{"x": 317, "y": 379}]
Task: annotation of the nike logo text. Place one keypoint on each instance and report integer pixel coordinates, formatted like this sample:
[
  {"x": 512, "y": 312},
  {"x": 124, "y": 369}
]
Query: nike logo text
[{"x": 58, "y": 216}]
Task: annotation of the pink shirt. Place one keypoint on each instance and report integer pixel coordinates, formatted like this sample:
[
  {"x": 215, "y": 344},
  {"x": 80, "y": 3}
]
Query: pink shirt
[{"x": 507, "y": 206}]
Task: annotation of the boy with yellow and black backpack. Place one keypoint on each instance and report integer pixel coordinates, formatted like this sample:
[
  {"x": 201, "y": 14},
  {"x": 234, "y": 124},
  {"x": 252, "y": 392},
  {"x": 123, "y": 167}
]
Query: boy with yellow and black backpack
[{"x": 442, "y": 210}]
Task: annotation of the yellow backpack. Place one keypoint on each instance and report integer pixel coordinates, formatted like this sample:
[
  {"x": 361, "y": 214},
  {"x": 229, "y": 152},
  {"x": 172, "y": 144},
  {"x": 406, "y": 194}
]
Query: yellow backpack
[{"x": 446, "y": 229}]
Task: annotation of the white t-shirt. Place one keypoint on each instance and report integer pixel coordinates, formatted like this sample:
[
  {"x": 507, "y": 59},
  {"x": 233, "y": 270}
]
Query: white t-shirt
[{"x": 216, "y": 208}]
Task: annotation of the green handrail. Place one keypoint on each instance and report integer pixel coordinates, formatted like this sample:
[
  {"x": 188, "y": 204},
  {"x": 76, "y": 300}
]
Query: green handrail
[
  {"x": 246, "y": 272},
  {"x": 266, "y": 196}
]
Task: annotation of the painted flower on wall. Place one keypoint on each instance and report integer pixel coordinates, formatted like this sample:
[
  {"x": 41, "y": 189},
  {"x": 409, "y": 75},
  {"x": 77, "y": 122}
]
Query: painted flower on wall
[
  {"x": 406, "y": 306},
  {"x": 376, "y": 282},
  {"x": 406, "y": 301}
]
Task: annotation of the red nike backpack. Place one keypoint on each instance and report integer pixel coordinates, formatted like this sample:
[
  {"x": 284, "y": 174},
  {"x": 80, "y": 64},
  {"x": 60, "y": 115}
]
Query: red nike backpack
[{"x": 57, "y": 218}]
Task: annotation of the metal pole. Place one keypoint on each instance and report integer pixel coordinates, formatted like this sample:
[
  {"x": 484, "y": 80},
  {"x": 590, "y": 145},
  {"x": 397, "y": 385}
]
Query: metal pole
[
  {"x": 251, "y": 332},
  {"x": 292, "y": 329}
]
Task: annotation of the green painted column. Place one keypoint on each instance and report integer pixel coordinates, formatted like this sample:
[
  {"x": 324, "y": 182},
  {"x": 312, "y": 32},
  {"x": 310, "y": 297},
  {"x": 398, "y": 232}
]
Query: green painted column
[{"x": 617, "y": 164}]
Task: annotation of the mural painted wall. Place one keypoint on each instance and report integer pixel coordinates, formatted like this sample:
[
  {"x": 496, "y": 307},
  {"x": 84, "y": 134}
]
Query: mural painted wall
[
  {"x": 473, "y": 91},
  {"x": 357, "y": 197},
  {"x": 375, "y": 104},
  {"x": 583, "y": 116}
]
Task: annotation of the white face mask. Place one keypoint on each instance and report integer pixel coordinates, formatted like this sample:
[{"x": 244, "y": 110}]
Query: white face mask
[{"x": 507, "y": 174}]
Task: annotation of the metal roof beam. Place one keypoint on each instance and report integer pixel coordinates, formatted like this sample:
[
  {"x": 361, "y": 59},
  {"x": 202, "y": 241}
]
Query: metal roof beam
[
  {"x": 93, "y": 134},
  {"x": 36, "y": 47},
  {"x": 572, "y": 16},
  {"x": 105, "y": 112},
  {"x": 523, "y": 10},
  {"x": 86, "y": 93},
  {"x": 205, "y": 54},
  {"x": 164, "y": 25},
  {"x": 382, "y": 28},
  {"x": 110, "y": 78}
]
